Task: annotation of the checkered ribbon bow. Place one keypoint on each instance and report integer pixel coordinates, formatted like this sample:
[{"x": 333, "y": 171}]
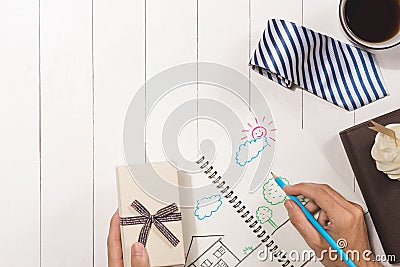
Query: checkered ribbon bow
[{"x": 166, "y": 214}]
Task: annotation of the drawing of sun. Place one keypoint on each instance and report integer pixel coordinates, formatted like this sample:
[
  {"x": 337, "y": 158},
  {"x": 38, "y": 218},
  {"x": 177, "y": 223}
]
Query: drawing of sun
[
  {"x": 259, "y": 137},
  {"x": 259, "y": 130}
]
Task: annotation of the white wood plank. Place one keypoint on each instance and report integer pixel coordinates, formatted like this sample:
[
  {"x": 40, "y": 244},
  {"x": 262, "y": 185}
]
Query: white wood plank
[
  {"x": 66, "y": 110},
  {"x": 119, "y": 72},
  {"x": 322, "y": 119},
  {"x": 230, "y": 39},
  {"x": 19, "y": 109},
  {"x": 224, "y": 33},
  {"x": 171, "y": 40},
  {"x": 171, "y": 36},
  {"x": 261, "y": 11},
  {"x": 324, "y": 18},
  {"x": 223, "y": 38}
]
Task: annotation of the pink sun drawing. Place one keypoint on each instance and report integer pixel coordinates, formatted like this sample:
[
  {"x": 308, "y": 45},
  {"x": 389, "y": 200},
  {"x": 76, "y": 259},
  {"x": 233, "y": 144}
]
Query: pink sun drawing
[{"x": 258, "y": 130}]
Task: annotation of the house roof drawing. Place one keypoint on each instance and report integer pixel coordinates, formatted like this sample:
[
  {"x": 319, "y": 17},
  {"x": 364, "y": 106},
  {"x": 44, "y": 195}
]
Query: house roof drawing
[{"x": 210, "y": 251}]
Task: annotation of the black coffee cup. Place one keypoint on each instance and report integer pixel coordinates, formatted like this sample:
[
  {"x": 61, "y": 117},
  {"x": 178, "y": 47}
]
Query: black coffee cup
[{"x": 371, "y": 23}]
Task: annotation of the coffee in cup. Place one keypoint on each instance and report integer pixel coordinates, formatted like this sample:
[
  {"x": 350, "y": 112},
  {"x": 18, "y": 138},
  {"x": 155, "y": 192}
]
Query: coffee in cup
[{"x": 371, "y": 23}]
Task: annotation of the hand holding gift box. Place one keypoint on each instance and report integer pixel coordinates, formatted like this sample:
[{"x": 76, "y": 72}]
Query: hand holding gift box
[{"x": 155, "y": 224}]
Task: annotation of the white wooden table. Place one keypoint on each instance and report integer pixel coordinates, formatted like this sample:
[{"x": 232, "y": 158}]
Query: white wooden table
[{"x": 68, "y": 71}]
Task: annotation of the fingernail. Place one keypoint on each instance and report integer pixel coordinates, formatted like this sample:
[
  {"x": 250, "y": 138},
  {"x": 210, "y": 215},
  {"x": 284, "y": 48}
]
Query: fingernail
[
  {"x": 288, "y": 205},
  {"x": 137, "y": 249}
]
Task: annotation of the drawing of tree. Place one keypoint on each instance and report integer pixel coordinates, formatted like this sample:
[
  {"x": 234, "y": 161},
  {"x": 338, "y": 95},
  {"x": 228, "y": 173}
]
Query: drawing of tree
[
  {"x": 273, "y": 194},
  {"x": 264, "y": 214}
]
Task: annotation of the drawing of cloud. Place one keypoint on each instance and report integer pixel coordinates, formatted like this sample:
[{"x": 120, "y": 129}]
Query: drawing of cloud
[
  {"x": 250, "y": 150},
  {"x": 206, "y": 206}
]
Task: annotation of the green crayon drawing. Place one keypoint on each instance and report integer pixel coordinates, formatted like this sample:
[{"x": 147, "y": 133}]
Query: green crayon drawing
[
  {"x": 273, "y": 194},
  {"x": 264, "y": 214},
  {"x": 247, "y": 249}
]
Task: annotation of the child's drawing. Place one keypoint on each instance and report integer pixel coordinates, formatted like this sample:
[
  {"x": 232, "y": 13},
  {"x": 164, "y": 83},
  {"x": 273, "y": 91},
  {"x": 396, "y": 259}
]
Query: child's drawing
[
  {"x": 264, "y": 214},
  {"x": 207, "y": 206},
  {"x": 273, "y": 194},
  {"x": 258, "y": 145},
  {"x": 258, "y": 130},
  {"x": 258, "y": 140},
  {"x": 247, "y": 250},
  {"x": 215, "y": 253}
]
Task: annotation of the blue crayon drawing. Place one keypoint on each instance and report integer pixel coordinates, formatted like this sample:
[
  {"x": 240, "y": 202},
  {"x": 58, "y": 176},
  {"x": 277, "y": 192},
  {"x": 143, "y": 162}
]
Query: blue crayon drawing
[
  {"x": 207, "y": 206},
  {"x": 243, "y": 156}
]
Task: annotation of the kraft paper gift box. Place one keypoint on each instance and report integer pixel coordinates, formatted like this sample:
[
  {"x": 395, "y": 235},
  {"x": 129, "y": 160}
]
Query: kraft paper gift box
[{"x": 132, "y": 199}]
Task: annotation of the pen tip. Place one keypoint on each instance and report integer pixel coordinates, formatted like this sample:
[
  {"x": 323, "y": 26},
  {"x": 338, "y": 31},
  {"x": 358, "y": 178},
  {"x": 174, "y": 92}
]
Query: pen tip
[{"x": 273, "y": 175}]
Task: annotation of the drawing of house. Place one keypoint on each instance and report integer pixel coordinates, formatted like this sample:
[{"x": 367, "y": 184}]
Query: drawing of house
[{"x": 211, "y": 252}]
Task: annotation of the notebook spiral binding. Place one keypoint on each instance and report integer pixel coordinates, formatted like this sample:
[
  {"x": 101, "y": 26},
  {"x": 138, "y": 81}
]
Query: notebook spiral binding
[{"x": 246, "y": 215}]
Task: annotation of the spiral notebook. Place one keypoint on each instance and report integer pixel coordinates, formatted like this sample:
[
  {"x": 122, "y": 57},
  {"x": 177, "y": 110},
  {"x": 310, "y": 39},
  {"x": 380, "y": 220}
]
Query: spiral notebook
[
  {"x": 241, "y": 221},
  {"x": 242, "y": 228}
]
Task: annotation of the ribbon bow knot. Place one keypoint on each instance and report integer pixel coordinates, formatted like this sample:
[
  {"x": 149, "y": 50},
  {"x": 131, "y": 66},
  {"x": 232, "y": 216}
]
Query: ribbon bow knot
[{"x": 166, "y": 214}]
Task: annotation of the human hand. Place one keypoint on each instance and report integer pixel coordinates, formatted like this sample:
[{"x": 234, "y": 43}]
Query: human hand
[
  {"x": 340, "y": 218},
  {"x": 139, "y": 256}
]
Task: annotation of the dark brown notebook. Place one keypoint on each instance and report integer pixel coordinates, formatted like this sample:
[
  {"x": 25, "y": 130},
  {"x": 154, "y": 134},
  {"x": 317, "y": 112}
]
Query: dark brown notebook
[{"x": 381, "y": 194}]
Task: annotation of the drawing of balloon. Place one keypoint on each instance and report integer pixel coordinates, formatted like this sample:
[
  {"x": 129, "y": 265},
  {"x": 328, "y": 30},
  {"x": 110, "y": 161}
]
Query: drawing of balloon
[
  {"x": 264, "y": 214},
  {"x": 273, "y": 194},
  {"x": 250, "y": 150},
  {"x": 207, "y": 206}
]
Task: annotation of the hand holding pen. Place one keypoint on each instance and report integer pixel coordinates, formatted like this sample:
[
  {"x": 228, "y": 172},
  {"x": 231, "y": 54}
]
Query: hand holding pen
[{"x": 341, "y": 219}]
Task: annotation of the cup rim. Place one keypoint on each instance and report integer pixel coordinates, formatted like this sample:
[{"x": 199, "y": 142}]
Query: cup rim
[{"x": 350, "y": 35}]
